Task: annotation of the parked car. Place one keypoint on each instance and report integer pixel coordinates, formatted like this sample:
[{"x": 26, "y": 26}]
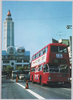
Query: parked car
[
  {"x": 21, "y": 76},
  {"x": 27, "y": 77},
  {"x": 14, "y": 76}
]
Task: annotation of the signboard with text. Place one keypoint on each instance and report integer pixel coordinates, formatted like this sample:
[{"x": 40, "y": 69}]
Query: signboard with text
[{"x": 38, "y": 61}]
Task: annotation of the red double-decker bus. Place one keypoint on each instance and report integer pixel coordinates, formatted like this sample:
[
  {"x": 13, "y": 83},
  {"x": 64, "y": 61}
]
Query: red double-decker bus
[{"x": 51, "y": 65}]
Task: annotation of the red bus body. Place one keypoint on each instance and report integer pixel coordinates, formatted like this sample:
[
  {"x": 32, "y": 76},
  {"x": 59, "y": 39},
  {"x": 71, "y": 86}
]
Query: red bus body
[{"x": 51, "y": 65}]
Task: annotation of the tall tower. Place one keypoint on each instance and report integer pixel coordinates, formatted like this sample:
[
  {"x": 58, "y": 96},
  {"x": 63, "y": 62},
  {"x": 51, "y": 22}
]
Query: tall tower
[{"x": 8, "y": 34}]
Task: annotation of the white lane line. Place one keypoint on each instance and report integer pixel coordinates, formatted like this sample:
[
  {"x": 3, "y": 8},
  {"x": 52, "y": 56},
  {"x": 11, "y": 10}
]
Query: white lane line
[
  {"x": 62, "y": 93},
  {"x": 33, "y": 93},
  {"x": 66, "y": 89}
]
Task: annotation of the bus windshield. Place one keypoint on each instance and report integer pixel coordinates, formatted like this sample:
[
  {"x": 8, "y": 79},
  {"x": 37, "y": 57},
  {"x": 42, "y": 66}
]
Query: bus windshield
[
  {"x": 58, "y": 49},
  {"x": 55, "y": 68},
  {"x": 64, "y": 69},
  {"x": 50, "y": 68}
]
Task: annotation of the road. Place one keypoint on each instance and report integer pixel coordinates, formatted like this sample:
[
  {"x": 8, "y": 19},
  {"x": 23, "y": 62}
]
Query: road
[{"x": 13, "y": 90}]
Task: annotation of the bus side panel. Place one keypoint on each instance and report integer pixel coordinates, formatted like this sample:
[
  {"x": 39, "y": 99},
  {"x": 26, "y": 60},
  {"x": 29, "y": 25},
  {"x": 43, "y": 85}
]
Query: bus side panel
[
  {"x": 37, "y": 76},
  {"x": 31, "y": 74},
  {"x": 45, "y": 77},
  {"x": 55, "y": 77}
]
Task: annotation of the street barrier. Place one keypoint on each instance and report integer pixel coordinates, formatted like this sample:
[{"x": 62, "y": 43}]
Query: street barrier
[
  {"x": 26, "y": 87},
  {"x": 17, "y": 78}
]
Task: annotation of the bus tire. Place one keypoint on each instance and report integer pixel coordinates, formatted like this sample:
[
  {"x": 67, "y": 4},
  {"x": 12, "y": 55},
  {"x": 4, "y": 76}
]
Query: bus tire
[{"x": 40, "y": 81}]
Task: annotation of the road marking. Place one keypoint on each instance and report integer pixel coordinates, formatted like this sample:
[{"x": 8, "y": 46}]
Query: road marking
[
  {"x": 33, "y": 93},
  {"x": 38, "y": 96},
  {"x": 61, "y": 93},
  {"x": 66, "y": 89}
]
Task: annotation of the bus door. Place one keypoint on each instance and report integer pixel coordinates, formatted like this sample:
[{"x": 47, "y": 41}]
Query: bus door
[{"x": 45, "y": 72}]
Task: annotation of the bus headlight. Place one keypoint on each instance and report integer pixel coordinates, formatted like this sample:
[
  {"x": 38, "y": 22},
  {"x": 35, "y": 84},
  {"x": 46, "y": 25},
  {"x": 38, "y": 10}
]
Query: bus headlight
[
  {"x": 68, "y": 78},
  {"x": 49, "y": 78}
]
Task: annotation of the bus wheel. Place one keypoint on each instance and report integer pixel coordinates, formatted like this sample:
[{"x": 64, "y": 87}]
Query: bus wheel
[{"x": 41, "y": 81}]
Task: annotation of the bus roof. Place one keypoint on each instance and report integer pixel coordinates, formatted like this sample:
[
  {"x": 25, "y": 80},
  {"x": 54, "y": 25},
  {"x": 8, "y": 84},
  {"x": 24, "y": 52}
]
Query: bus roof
[
  {"x": 52, "y": 44},
  {"x": 58, "y": 44}
]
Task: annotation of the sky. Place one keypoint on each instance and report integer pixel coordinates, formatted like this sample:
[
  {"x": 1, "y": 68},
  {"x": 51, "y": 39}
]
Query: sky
[{"x": 37, "y": 22}]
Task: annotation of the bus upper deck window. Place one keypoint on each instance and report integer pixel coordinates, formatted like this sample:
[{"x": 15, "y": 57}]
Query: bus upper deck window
[
  {"x": 33, "y": 57},
  {"x": 60, "y": 49},
  {"x": 39, "y": 53},
  {"x": 63, "y": 49},
  {"x": 54, "y": 48},
  {"x": 44, "y": 50},
  {"x": 36, "y": 55}
]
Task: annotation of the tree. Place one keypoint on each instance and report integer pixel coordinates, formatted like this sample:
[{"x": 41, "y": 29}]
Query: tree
[
  {"x": 9, "y": 68},
  {"x": 20, "y": 68}
]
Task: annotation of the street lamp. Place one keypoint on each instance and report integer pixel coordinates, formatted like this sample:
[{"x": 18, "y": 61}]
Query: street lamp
[{"x": 69, "y": 26}]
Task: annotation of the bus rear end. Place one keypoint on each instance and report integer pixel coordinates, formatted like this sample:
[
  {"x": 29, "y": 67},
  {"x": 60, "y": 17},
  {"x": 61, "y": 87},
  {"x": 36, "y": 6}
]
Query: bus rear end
[{"x": 58, "y": 64}]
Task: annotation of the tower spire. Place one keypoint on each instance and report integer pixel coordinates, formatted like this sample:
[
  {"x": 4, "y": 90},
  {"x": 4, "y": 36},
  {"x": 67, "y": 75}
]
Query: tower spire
[{"x": 9, "y": 14}]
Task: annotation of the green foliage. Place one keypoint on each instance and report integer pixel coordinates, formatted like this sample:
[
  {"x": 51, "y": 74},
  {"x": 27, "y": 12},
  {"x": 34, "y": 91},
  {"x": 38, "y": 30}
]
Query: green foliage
[
  {"x": 9, "y": 68},
  {"x": 20, "y": 68}
]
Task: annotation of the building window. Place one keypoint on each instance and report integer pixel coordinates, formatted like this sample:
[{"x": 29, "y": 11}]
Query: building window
[
  {"x": 4, "y": 67},
  {"x": 19, "y": 65},
  {"x": 9, "y": 57},
  {"x": 5, "y": 61},
  {"x": 26, "y": 60},
  {"x": 26, "y": 67},
  {"x": 4, "y": 57},
  {"x": 19, "y": 60}
]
